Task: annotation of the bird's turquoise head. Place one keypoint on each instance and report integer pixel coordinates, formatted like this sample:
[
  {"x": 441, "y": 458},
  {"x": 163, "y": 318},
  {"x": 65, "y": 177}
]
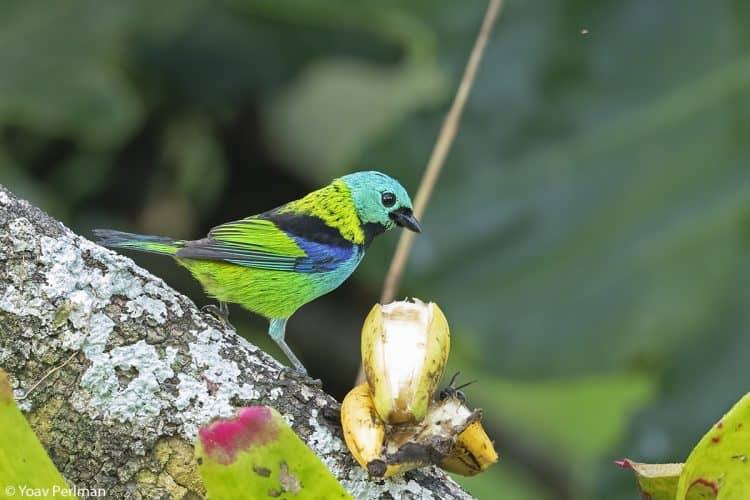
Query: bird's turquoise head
[{"x": 381, "y": 202}]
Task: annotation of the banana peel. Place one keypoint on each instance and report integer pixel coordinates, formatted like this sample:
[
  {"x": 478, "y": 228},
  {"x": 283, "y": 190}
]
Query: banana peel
[
  {"x": 450, "y": 436},
  {"x": 472, "y": 454},
  {"x": 364, "y": 432}
]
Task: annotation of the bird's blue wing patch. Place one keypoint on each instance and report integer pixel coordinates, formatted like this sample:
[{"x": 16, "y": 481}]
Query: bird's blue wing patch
[{"x": 321, "y": 257}]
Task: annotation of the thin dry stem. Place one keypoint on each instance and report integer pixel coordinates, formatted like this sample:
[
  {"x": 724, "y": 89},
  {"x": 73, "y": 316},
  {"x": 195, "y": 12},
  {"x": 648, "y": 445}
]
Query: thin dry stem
[
  {"x": 437, "y": 158},
  {"x": 440, "y": 152}
]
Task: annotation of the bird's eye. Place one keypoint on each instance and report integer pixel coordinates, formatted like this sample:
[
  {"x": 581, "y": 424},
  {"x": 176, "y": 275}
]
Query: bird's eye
[{"x": 388, "y": 199}]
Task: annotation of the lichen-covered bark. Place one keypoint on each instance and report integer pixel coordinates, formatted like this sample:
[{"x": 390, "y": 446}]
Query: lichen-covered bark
[{"x": 116, "y": 371}]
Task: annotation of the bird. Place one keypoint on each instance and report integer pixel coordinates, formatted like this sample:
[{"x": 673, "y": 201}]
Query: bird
[{"x": 275, "y": 262}]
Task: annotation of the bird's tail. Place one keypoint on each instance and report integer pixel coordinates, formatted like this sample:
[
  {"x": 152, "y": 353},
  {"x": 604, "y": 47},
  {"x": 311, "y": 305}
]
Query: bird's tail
[{"x": 141, "y": 242}]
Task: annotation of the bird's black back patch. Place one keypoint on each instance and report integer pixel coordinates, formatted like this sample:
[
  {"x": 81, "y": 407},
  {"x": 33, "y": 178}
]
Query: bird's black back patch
[{"x": 310, "y": 227}]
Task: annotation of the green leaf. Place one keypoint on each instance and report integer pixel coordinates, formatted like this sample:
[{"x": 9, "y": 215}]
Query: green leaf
[
  {"x": 718, "y": 466},
  {"x": 655, "y": 481},
  {"x": 256, "y": 455},
  {"x": 23, "y": 461}
]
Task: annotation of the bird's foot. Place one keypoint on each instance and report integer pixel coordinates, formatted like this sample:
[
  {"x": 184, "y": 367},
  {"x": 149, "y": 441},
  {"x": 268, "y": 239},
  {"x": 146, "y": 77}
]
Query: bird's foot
[
  {"x": 220, "y": 312},
  {"x": 302, "y": 377},
  {"x": 276, "y": 330}
]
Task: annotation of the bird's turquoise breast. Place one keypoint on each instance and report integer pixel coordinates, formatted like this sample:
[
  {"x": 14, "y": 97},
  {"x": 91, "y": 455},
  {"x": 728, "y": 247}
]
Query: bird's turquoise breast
[
  {"x": 324, "y": 282},
  {"x": 273, "y": 294}
]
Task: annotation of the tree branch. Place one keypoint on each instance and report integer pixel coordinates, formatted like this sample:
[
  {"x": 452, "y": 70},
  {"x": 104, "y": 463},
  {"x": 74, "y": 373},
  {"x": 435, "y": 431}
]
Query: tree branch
[{"x": 124, "y": 370}]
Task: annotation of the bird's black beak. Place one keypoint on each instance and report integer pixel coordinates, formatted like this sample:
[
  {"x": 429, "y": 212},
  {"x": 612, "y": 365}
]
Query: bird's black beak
[{"x": 405, "y": 218}]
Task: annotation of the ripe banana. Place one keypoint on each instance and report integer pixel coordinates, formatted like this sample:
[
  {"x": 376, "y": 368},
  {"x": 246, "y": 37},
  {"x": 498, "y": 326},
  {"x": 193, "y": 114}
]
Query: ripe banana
[
  {"x": 396, "y": 421},
  {"x": 405, "y": 347}
]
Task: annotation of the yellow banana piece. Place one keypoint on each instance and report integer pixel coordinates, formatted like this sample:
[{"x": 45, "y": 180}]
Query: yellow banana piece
[
  {"x": 473, "y": 452},
  {"x": 364, "y": 432}
]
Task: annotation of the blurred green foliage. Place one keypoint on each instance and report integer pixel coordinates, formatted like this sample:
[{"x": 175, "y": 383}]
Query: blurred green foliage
[{"x": 588, "y": 239}]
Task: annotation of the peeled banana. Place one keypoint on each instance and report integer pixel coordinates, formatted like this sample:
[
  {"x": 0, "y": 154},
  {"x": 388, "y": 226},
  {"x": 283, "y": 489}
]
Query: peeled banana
[{"x": 405, "y": 347}]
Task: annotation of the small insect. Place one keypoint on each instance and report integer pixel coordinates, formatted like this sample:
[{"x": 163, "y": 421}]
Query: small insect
[{"x": 453, "y": 391}]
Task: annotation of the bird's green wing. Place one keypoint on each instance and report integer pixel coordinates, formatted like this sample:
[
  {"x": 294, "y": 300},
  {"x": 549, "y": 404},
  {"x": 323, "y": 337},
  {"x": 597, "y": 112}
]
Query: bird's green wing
[{"x": 250, "y": 242}]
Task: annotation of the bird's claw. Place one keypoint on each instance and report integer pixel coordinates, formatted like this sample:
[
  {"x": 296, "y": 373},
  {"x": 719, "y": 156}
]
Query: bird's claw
[
  {"x": 315, "y": 382},
  {"x": 303, "y": 377},
  {"x": 220, "y": 312}
]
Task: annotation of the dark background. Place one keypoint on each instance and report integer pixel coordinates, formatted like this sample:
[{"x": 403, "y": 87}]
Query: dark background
[{"x": 588, "y": 240}]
